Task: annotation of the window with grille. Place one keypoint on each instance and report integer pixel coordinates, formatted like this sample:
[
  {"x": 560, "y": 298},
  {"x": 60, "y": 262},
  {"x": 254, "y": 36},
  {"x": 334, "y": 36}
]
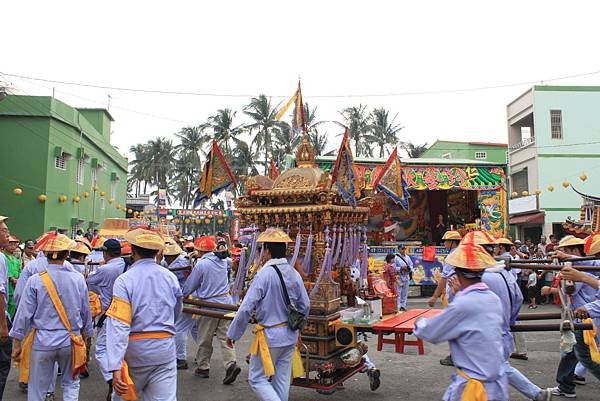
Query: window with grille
[
  {"x": 113, "y": 189},
  {"x": 102, "y": 204},
  {"x": 94, "y": 176},
  {"x": 80, "y": 171},
  {"x": 480, "y": 155},
  {"x": 60, "y": 162},
  {"x": 556, "y": 124}
]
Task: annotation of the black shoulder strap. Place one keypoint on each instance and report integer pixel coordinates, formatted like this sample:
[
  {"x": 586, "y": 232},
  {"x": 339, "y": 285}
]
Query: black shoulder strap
[
  {"x": 286, "y": 296},
  {"x": 510, "y": 295}
]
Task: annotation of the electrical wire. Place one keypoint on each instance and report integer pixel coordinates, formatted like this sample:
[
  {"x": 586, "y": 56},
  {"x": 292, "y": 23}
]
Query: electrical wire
[{"x": 231, "y": 95}]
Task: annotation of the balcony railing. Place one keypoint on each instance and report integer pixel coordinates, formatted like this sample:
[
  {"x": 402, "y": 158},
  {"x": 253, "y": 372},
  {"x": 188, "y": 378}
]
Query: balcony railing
[{"x": 524, "y": 143}]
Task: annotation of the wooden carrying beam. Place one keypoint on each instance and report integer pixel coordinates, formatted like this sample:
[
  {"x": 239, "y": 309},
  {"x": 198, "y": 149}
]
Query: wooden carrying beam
[
  {"x": 534, "y": 261},
  {"x": 554, "y": 267},
  {"x": 538, "y": 316},
  {"x": 207, "y": 304},
  {"x": 548, "y": 327},
  {"x": 180, "y": 268},
  {"x": 209, "y": 313}
]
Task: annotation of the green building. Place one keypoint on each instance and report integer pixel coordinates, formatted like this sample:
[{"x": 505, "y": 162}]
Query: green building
[
  {"x": 483, "y": 151},
  {"x": 58, "y": 169}
]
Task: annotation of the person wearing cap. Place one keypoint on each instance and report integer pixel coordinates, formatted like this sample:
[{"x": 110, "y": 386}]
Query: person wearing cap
[
  {"x": 209, "y": 281},
  {"x": 403, "y": 264},
  {"x": 100, "y": 285},
  {"x": 173, "y": 257},
  {"x": 28, "y": 254},
  {"x": 52, "y": 322},
  {"x": 585, "y": 292},
  {"x": 472, "y": 325},
  {"x": 265, "y": 300},
  {"x": 78, "y": 257},
  {"x": 5, "y": 341},
  {"x": 140, "y": 324},
  {"x": 503, "y": 284},
  {"x": 14, "y": 271},
  {"x": 451, "y": 240}
]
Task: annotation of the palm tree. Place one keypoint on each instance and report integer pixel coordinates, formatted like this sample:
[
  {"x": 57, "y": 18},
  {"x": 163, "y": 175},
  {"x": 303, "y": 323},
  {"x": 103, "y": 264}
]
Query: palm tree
[
  {"x": 285, "y": 142},
  {"x": 223, "y": 129},
  {"x": 243, "y": 162},
  {"x": 140, "y": 170},
  {"x": 356, "y": 120},
  {"x": 162, "y": 154},
  {"x": 310, "y": 115},
  {"x": 383, "y": 131},
  {"x": 264, "y": 124},
  {"x": 319, "y": 142},
  {"x": 414, "y": 151},
  {"x": 191, "y": 140},
  {"x": 186, "y": 177}
]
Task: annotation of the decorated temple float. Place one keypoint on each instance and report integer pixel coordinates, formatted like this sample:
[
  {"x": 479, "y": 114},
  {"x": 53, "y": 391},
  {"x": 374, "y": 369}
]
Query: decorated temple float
[{"x": 467, "y": 194}]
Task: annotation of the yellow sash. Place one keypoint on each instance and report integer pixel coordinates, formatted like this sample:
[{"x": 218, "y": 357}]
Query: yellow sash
[
  {"x": 589, "y": 337},
  {"x": 78, "y": 349},
  {"x": 130, "y": 394},
  {"x": 120, "y": 310},
  {"x": 25, "y": 360},
  {"x": 95, "y": 304},
  {"x": 297, "y": 364},
  {"x": 260, "y": 345},
  {"x": 474, "y": 390}
]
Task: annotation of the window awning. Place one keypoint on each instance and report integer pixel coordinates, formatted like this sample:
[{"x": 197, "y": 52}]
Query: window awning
[{"x": 530, "y": 218}]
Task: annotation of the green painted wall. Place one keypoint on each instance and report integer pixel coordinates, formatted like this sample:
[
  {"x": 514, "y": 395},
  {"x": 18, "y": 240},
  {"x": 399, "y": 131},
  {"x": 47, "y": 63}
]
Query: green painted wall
[
  {"x": 465, "y": 150},
  {"x": 32, "y": 128}
]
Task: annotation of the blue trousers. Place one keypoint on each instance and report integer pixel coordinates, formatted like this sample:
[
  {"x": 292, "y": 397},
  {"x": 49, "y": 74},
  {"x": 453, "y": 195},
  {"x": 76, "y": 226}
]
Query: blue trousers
[
  {"x": 154, "y": 383},
  {"x": 521, "y": 383},
  {"x": 402, "y": 294},
  {"x": 279, "y": 387},
  {"x": 40, "y": 381},
  {"x": 184, "y": 325},
  {"x": 568, "y": 362},
  {"x": 100, "y": 354}
]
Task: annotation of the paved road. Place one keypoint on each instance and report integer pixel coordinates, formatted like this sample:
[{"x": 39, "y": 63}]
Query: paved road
[{"x": 404, "y": 377}]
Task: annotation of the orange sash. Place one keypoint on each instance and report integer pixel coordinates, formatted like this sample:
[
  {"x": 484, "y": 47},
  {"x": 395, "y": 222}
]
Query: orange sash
[{"x": 95, "y": 304}]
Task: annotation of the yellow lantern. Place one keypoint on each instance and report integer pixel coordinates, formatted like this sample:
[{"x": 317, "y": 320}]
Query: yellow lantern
[
  {"x": 514, "y": 194},
  {"x": 18, "y": 191},
  {"x": 102, "y": 193},
  {"x": 566, "y": 184},
  {"x": 76, "y": 199},
  {"x": 220, "y": 221},
  {"x": 176, "y": 221},
  {"x": 129, "y": 211},
  {"x": 119, "y": 206},
  {"x": 42, "y": 198},
  {"x": 550, "y": 188},
  {"x": 197, "y": 221},
  {"x": 95, "y": 188},
  {"x": 62, "y": 198},
  {"x": 525, "y": 193},
  {"x": 187, "y": 221},
  {"x": 86, "y": 194},
  {"x": 207, "y": 221},
  {"x": 583, "y": 177},
  {"x": 111, "y": 200},
  {"x": 538, "y": 192}
]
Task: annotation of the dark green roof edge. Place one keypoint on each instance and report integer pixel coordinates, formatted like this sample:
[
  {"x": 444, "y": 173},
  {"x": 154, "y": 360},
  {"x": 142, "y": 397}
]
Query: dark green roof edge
[{"x": 556, "y": 88}]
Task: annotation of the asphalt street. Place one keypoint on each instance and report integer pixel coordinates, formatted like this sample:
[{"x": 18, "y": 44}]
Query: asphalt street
[{"x": 407, "y": 376}]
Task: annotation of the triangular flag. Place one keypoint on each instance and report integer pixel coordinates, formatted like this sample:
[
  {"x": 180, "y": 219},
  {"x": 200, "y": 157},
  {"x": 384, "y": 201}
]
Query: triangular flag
[
  {"x": 273, "y": 171},
  {"x": 391, "y": 181},
  {"x": 216, "y": 175},
  {"x": 343, "y": 172}
]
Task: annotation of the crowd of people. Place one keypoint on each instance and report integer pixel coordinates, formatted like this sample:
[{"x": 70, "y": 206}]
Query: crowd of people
[{"x": 60, "y": 293}]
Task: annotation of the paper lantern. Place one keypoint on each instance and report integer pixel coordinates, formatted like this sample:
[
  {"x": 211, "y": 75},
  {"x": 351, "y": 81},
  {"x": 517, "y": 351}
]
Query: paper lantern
[
  {"x": 525, "y": 193},
  {"x": 111, "y": 200},
  {"x": 583, "y": 177},
  {"x": 176, "y": 221},
  {"x": 550, "y": 188},
  {"x": 18, "y": 191},
  {"x": 197, "y": 221},
  {"x": 207, "y": 221},
  {"x": 76, "y": 199},
  {"x": 220, "y": 221},
  {"x": 566, "y": 184},
  {"x": 86, "y": 194},
  {"x": 129, "y": 211},
  {"x": 62, "y": 198},
  {"x": 42, "y": 198},
  {"x": 538, "y": 192},
  {"x": 187, "y": 221},
  {"x": 119, "y": 206},
  {"x": 102, "y": 193},
  {"x": 514, "y": 194}
]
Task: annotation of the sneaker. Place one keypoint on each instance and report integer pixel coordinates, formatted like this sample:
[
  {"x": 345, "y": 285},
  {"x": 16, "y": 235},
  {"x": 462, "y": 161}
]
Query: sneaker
[
  {"x": 84, "y": 375},
  {"x": 514, "y": 355},
  {"x": 544, "y": 395},
  {"x": 202, "y": 373},
  {"x": 23, "y": 386},
  {"x": 49, "y": 397},
  {"x": 579, "y": 380},
  {"x": 182, "y": 364},
  {"x": 447, "y": 361},
  {"x": 559, "y": 393},
  {"x": 374, "y": 381},
  {"x": 403, "y": 309},
  {"x": 232, "y": 373}
]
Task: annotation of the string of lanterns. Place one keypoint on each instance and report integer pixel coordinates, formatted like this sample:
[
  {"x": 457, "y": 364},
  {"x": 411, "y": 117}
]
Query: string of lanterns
[
  {"x": 62, "y": 198},
  {"x": 566, "y": 184}
]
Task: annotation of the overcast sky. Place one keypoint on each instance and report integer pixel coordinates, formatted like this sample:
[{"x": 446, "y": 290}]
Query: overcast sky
[{"x": 336, "y": 47}]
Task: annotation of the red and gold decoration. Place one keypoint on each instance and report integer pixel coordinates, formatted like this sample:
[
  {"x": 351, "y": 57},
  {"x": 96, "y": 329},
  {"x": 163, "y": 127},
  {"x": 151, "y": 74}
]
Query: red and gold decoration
[
  {"x": 216, "y": 175},
  {"x": 391, "y": 182},
  {"x": 343, "y": 172}
]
